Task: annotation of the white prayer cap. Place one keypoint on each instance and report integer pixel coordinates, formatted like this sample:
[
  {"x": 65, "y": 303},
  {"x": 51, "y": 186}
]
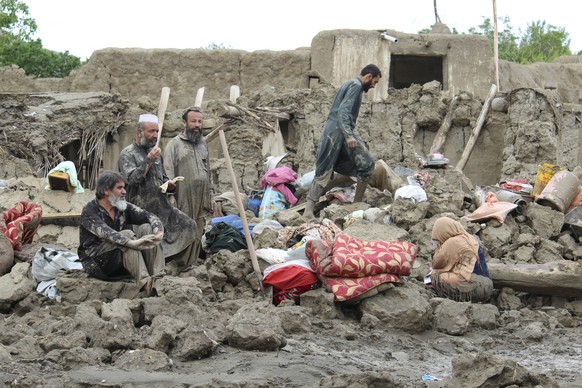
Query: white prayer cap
[{"x": 148, "y": 118}]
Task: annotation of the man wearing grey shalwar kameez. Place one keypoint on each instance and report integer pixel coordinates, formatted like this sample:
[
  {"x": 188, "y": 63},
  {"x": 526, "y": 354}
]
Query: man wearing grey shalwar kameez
[
  {"x": 186, "y": 155},
  {"x": 142, "y": 165},
  {"x": 340, "y": 149}
]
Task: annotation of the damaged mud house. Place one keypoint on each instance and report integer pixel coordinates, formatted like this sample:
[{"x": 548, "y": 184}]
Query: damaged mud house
[{"x": 438, "y": 96}]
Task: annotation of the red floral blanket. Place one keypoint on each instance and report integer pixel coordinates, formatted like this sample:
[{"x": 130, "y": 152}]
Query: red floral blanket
[
  {"x": 22, "y": 222},
  {"x": 350, "y": 267}
]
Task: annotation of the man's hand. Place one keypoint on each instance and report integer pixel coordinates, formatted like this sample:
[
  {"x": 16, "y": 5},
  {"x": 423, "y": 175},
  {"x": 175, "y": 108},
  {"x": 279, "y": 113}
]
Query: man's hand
[
  {"x": 352, "y": 143},
  {"x": 146, "y": 242},
  {"x": 154, "y": 154},
  {"x": 158, "y": 236}
]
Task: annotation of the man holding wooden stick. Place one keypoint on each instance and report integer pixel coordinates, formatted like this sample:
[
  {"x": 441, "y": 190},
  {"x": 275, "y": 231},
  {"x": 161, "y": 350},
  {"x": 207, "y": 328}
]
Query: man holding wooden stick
[
  {"x": 149, "y": 188},
  {"x": 340, "y": 149}
]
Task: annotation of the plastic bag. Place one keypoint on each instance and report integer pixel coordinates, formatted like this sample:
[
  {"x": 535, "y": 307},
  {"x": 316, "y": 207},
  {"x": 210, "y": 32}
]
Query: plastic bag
[
  {"x": 273, "y": 201},
  {"x": 416, "y": 193},
  {"x": 305, "y": 180}
]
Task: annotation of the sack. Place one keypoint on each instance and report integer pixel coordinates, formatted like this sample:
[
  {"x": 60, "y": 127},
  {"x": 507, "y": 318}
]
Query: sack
[
  {"x": 254, "y": 201},
  {"x": 224, "y": 236},
  {"x": 273, "y": 202}
]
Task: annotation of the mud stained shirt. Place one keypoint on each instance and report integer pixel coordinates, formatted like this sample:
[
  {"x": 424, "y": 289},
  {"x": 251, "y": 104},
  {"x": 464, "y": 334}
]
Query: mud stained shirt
[
  {"x": 143, "y": 190},
  {"x": 97, "y": 227},
  {"x": 333, "y": 153}
]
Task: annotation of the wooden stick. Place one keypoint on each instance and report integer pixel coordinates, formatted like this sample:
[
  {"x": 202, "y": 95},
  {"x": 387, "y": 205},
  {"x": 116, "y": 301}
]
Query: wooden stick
[
  {"x": 213, "y": 133},
  {"x": 477, "y": 129},
  {"x": 234, "y": 93},
  {"x": 241, "y": 209},
  {"x": 496, "y": 45},
  {"x": 199, "y": 98},
  {"x": 441, "y": 135},
  {"x": 254, "y": 116},
  {"x": 161, "y": 114},
  {"x": 162, "y": 111}
]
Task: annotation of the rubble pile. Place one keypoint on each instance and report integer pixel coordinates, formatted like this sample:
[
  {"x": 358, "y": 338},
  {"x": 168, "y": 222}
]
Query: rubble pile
[{"x": 215, "y": 326}]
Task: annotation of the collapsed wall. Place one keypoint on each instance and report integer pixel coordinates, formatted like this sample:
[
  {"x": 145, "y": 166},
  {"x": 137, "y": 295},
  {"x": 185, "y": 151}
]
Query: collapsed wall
[
  {"x": 535, "y": 117},
  {"x": 522, "y": 129}
]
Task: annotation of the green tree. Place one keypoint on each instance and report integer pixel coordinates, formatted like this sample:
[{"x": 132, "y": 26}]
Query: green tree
[
  {"x": 15, "y": 21},
  {"x": 18, "y": 47},
  {"x": 543, "y": 42},
  {"x": 540, "y": 42}
]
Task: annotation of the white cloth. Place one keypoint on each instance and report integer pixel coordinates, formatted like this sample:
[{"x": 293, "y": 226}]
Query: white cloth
[
  {"x": 272, "y": 255},
  {"x": 416, "y": 193},
  {"x": 300, "y": 262},
  {"x": 68, "y": 167},
  {"x": 47, "y": 263}
]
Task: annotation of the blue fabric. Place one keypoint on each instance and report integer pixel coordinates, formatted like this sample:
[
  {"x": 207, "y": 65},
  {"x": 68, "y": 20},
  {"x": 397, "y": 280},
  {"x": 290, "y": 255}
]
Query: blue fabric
[
  {"x": 481, "y": 264},
  {"x": 232, "y": 220}
]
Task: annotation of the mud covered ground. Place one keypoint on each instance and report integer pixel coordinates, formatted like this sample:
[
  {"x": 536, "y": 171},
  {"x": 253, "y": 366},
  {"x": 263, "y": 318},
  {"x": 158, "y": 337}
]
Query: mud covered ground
[{"x": 210, "y": 327}]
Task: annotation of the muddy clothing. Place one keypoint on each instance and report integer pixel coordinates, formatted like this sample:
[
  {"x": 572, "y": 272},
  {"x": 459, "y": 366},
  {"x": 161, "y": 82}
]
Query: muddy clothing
[
  {"x": 333, "y": 153},
  {"x": 102, "y": 240},
  {"x": 183, "y": 157},
  {"x": 459, "y": 266},
  {"x": 143, "y": 190}
]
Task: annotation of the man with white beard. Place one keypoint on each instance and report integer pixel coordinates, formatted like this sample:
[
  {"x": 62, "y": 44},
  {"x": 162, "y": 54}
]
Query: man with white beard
[
  {"x": 187, "y": 155},
  {"x": 142, "y": 166},
  {"x": 108, "y": 247}
]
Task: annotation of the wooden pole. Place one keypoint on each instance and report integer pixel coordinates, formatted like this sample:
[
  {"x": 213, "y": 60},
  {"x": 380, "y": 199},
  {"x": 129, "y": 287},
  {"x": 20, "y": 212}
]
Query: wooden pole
[
  {"x": 199, "y": 98},
  {"x": 162, "y": 106},
  {"x": 441, "y": 135},
  {"x": 495, "y": 44},
  {"x": 475, "y": 134},
  {"x": 558, "y": 278},
  {"x": 241, "y": 209},
  {"x": 162, "y": 111}
]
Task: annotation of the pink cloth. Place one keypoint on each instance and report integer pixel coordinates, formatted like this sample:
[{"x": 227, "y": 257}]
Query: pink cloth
[{"x": 277, "y": 178}]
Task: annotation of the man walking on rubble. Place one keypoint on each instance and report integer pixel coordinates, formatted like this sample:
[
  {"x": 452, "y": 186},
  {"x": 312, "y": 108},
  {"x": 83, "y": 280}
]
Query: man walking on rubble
[
  {"x": 108, "y": 247},
  {"x": 187, "y": 155},
  {"x": 149, "y": 188},
  {"x": 340, "y": 149}
]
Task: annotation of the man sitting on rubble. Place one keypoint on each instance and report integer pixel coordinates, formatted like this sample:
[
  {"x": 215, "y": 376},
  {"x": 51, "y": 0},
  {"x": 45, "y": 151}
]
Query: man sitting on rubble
[
  {"x": 149, "y": 188},
  {"x": 108, "y": 247}
]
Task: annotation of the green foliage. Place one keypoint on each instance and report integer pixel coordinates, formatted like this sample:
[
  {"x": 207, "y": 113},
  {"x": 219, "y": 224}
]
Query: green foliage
[
  {"x": 15, "y": 21},
  {"x": 217, "y": 46},
  {"x": 17, "y": 46},
  {"x": 540, "y": 42},
  {"x": 36, "y": 60}
]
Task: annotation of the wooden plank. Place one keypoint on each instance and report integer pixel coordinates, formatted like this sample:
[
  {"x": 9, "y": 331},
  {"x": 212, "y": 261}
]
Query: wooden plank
[
  {"x": 475, "y": 133},
  {"x": 61, "y": 219},
  {"x": 559, "y": 278}
]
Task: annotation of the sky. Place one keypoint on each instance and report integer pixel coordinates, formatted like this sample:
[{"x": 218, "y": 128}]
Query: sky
[{"x": 81, "y": 27}]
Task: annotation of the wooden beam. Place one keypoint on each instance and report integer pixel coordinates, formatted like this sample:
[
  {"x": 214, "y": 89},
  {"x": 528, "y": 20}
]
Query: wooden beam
[
  {"x": 475, "y": 134},
  {"x": 441, "y": 135},
  {"x": 558, "y": 278}
]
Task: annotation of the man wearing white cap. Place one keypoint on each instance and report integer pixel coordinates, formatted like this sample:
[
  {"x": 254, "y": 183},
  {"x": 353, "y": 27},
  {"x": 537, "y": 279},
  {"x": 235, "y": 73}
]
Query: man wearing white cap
[{"x": 142, "y": 165}]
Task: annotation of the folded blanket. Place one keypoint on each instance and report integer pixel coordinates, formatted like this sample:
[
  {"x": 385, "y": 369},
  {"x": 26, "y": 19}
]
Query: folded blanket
[
  {"x": 350, "y": 267},
  {"x": 22, "y": 222}
]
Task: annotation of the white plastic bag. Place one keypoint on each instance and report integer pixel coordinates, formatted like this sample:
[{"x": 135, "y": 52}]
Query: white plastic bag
[
  {"x": 305, "y": 180},
  {"x": 416, "y": 193}
]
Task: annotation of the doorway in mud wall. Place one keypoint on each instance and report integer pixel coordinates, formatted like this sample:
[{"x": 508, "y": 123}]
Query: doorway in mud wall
[{"x": 406, "y": 70}]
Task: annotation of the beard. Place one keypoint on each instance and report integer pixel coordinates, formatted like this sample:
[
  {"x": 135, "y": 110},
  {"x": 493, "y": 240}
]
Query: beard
[
  {"x": 193, "y": 136},
  {"x": 145, "y": 143},
  {"x": 117, "y": 202},
  {"x": 366, "y": 87}
]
